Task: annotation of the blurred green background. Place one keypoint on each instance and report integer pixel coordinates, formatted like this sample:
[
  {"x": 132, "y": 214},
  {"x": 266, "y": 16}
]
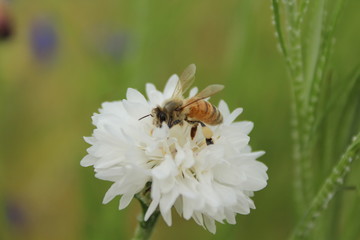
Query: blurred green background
[{"x": 62, "y": 59}]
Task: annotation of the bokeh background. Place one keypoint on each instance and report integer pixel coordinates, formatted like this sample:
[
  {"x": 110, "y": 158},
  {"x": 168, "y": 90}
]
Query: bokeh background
[{"x": 59, "y": 60}]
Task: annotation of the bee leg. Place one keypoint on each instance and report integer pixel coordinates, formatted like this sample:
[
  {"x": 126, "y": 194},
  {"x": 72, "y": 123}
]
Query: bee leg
[
  {"x": 171, "y": 123},
  {"x": 206, "y": 131},
  {"x": 176, "y": 122},
  {"x": 193, "y": 128},
  {"x": 195, "y": 122},
  {"x": 209, "y": 141},
  {"x": 208, "y": 135},
  {"x": 193, "y": 131}
]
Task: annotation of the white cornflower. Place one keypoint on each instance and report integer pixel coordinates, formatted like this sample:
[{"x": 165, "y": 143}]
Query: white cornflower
[{"x": 203, "y": 182}]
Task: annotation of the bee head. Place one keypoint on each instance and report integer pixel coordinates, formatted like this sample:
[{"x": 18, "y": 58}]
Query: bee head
[
  {"x": 169, "y": 114},
  {"x": 160, "y": 116}
]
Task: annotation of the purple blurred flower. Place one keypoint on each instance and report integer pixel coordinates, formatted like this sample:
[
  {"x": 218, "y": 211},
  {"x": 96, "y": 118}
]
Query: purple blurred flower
[
  {"x": 43, "y": 39},
  {"x": 15, "y": 214},
  {"x": 108, "y": 42},
  {"x": 114, "y": 45}
]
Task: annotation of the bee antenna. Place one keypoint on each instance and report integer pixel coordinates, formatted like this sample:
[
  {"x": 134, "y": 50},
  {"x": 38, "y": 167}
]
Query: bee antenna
[{"x": 144, "y": 117}]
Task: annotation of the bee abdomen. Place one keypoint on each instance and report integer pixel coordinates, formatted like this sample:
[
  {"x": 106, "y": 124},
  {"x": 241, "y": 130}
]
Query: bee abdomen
[
  {"x": 214, "y": 117},
  {"x": 205, "y": 112}
]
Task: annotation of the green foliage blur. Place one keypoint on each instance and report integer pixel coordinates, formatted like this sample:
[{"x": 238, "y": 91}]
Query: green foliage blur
[{"x": 61, "y": 60}]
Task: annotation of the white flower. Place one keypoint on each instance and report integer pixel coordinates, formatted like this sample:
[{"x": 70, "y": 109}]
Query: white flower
[{"x": 203, "y": 182}]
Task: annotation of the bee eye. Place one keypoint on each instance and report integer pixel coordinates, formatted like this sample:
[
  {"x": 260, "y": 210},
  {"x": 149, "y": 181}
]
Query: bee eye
[{"x": 162, "y": 116}]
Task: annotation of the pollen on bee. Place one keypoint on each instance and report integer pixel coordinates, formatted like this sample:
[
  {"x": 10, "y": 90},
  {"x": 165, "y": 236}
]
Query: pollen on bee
[{"x": 207, "y": 132}]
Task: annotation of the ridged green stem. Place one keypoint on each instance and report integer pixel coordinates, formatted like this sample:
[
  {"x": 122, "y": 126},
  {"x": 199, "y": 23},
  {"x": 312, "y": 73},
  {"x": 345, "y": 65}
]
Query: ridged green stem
[{"x": 328, "y": 190}]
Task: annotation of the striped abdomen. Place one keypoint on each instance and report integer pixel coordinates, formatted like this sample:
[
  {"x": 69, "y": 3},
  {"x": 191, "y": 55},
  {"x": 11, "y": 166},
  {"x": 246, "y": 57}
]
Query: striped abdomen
[{"x": 205, "y": 112}]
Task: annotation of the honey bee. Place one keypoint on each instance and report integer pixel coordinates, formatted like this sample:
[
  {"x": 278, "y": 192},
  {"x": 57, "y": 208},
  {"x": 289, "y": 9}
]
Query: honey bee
[{"x": 194, "y": 110}]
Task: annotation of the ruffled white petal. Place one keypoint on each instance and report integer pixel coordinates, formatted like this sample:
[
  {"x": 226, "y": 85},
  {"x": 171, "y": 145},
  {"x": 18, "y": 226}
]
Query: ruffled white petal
[
  {"x": 151, "y": 209},
  {"x": 134, "y": 95},
  {"x": 193, "y": 92},
  {"x": 230, "y": 118},
  {"x": 224, "y": 109},
  {"x": 88, "y": 160},
  {"x": 125, "y": 200},
  {"x": 170, "y": 86}
]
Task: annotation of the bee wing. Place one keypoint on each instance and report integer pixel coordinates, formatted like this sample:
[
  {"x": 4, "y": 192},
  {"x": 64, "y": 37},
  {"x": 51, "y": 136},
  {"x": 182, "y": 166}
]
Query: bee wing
[
  {"x": 209, "y": 91},
  {"x": 186, "y": 80}
]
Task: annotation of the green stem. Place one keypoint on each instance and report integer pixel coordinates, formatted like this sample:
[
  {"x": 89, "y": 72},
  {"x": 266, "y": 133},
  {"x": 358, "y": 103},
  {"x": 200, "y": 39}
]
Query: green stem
[
  {"x": 328, "y": 190},
  {"x": 145, "y": 228}
]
